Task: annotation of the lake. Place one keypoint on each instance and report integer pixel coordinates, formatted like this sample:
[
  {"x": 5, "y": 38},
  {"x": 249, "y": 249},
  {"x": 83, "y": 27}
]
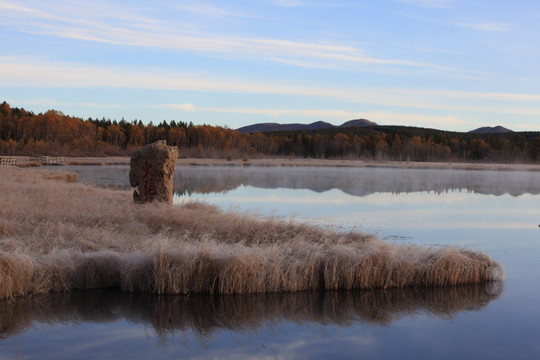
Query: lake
[{"x": 496, "y": 212}]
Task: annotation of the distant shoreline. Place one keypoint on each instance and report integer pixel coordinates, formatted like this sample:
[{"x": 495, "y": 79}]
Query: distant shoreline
[{"x": 24, "y": 161}]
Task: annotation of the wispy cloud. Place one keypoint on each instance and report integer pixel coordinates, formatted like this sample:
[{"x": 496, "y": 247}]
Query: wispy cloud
[
  {"x": 311, "y": 113},
  {"x": 13, "y": 7},
  {"x": 486, "y": 26},
  {"x": 208, "y": 10},
  {"x": 53, "y": 103},
  {"x": 131, "y": 29},
  {"x": 183, "y": 107},
  {"x": 21, "y": 72}
]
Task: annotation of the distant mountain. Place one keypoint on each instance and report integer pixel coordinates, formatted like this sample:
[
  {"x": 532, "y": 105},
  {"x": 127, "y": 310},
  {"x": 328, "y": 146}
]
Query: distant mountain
[
  {"x": 261, "y": 127},
  {"x": 491, "y": 130},
  {"x": 358, "y": 123},
  {"x": 268, "y": 127}
]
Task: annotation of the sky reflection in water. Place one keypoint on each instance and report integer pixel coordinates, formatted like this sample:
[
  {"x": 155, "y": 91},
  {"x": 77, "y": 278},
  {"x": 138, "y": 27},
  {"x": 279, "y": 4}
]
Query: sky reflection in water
[
  {"x": 420, "y": 210},
  {"x": 490, "y": 211}
]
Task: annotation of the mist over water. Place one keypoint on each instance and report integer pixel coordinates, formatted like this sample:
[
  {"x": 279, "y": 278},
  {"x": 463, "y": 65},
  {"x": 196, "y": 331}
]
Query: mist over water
[
  {"x": 357, "y": 181},
  {"x": 361, "y": 181}
]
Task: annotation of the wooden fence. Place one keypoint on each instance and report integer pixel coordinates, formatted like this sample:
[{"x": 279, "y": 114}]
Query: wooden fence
[
  {"x": 48, "y": 159},
  {"x": 4, "y": 161}
]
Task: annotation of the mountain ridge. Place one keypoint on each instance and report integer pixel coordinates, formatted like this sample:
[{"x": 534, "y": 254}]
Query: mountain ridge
[
  {"x": 491, "y": 130},
  {"x": 270, "y": 127},
  {"x": 275, "y": 127}
]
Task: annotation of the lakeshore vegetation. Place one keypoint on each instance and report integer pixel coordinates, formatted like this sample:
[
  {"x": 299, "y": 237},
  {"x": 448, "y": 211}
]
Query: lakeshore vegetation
[
  {"x": 52, "y": 133},
  {"x": 57, "y": 235}
]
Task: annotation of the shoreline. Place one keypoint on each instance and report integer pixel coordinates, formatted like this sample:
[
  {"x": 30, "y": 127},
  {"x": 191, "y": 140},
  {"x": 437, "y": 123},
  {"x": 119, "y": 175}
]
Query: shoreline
[{"x": 24, "y": 161}]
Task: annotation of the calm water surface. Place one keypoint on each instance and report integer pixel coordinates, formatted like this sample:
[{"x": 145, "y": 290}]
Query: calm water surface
[{"x": 496, "y": 212}]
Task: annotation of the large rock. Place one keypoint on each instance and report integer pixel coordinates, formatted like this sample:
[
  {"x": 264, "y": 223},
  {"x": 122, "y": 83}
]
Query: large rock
[{"x": 151, "y": 172}]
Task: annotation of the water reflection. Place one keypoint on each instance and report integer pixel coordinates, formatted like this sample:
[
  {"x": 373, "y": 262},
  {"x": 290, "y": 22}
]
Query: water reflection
[
  {"x": 352, "y": 181},
  {"x": 356, "y": 181},
  {"x": 204, "y": 315}
]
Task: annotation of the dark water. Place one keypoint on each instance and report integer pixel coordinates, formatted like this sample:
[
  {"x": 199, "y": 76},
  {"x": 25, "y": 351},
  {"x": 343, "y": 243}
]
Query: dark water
[
  {"x": 111, "y": 324},
  {"x": 496, "y": 212}
]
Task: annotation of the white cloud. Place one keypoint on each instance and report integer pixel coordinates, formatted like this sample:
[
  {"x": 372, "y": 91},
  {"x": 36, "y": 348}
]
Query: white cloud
[{"x": 183, "y": 107}]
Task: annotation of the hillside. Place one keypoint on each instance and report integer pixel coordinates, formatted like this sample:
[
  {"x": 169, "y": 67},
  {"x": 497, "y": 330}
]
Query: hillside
[
  {"x": 491, "y": 130},
  {"x": 273, "y": 127}
]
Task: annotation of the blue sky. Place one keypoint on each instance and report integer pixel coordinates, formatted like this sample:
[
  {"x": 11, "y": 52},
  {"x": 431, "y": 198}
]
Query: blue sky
[{"x": 446, "y": 64}]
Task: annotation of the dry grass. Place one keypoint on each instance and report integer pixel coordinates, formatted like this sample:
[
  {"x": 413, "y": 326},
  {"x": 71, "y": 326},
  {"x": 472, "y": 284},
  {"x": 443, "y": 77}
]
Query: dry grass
[
  {"x": 204, "y": 315},
  {"x": 58, "y": 236}
]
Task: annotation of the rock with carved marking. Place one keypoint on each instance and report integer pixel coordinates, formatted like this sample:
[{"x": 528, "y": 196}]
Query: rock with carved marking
[{"x": 151, "y": 172}]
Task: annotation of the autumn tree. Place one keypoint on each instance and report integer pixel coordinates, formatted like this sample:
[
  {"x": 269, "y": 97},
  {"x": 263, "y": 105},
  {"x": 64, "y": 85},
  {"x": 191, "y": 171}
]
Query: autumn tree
[
  {"x": 533, "y": 149},
  {"x": 54, "y": 133}
]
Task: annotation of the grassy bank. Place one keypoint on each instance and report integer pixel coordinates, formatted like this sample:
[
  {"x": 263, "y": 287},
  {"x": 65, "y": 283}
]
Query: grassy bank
[{"x": 59, "y": 236}]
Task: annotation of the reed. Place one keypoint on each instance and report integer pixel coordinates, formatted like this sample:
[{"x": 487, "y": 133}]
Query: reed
[{"x": 57, "y": 235}]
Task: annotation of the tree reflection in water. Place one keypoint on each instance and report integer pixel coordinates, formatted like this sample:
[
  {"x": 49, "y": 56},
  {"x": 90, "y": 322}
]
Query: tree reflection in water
[
  {"x": 355, "y": 181},
  {"x": 170, "y": 315}
]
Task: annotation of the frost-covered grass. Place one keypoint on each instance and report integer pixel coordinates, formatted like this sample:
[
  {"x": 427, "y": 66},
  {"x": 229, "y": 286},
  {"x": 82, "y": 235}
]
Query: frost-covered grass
[{"x": 57, "y": 235}]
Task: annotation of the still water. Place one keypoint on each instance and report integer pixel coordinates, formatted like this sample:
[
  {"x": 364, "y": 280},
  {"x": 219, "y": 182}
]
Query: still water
[{"x": 496, "y": 212}]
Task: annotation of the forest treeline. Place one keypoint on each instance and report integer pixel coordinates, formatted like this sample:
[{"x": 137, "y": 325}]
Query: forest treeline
[{"x": 52, "y": 133}]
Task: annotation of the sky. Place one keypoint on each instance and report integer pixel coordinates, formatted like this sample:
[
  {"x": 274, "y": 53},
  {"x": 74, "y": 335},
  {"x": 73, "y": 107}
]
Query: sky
[{"x": 446, "y": 64}]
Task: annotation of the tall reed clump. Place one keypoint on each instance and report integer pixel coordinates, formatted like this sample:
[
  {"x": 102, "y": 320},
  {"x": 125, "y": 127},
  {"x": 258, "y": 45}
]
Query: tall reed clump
[{"x": 61, "y": 236}]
